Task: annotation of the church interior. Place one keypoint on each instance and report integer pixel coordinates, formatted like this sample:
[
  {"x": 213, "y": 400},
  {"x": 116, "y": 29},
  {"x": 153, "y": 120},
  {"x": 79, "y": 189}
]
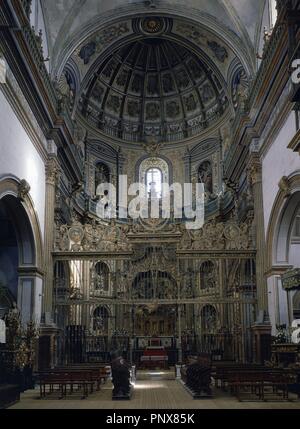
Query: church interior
[{"x": 98, "y": 306}]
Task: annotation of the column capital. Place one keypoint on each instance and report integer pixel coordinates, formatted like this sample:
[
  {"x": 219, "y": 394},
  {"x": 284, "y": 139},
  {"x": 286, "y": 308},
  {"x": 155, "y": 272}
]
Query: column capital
[
  {"x": 254, "y": 168},
  {"x": 52, "y": 171}
]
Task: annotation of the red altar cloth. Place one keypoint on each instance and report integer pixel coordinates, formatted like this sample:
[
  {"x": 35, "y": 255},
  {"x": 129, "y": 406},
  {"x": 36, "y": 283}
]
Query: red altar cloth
[{"x": 154, "y": 356}]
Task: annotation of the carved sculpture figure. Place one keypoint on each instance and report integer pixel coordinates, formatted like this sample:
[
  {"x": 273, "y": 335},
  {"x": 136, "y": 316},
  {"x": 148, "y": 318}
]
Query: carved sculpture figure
[{"x": 205, "y": 176}]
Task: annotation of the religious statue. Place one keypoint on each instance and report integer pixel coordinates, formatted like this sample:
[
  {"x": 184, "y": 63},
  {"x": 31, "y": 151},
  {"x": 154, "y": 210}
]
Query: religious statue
[
  {"x": 205, "y": 176},
  {"x": 102, "y": 176}
]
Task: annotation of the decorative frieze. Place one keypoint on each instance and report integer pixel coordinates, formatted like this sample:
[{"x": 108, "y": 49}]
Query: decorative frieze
[{"x": 291, "y": 279}]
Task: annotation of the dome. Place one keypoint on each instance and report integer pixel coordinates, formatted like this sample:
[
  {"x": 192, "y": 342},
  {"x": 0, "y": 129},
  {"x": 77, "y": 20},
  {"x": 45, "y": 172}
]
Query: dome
[{"x": 153, "y": 88}]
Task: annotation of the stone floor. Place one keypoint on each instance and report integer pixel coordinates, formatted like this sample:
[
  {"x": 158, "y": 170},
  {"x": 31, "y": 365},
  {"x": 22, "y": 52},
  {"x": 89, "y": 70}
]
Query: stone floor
[{"x": 153, "y": 390}]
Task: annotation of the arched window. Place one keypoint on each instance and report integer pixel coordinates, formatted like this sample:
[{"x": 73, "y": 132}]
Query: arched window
[
  {"x": 101, "y": 277},
  {"x": 154, "y": 183},
  {"x": 153, "y": 173},
  {"x": 102, "y": 175},
  {"x": 207, "y": 275}
]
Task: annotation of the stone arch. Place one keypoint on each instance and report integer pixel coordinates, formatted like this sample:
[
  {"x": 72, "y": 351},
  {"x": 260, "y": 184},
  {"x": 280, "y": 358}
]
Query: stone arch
[
  {"x": 278, "y": 249},
  {"x": 14, "y": 187},
  {"x": 285, "y": 207},
  {"x": 28, "y": 268}
]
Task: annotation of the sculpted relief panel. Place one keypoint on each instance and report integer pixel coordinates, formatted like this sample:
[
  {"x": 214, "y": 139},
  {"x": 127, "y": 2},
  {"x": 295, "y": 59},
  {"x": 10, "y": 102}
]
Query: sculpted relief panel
[
  {"x": 218, "y": 236},
  {"x": 92, "y": 237}
]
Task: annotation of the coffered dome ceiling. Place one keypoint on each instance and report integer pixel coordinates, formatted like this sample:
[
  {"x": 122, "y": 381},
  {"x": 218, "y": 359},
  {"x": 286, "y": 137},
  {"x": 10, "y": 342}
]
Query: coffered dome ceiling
[
  {"x": 155, "y": 77},
  {"x": 153, "y": 87}
]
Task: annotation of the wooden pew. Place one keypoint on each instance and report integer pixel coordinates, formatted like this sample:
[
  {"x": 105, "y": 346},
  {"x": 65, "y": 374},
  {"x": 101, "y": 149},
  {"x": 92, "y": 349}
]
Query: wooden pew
[
  {"x": 83, "y": 380},
  {"x": 254, "y": 381},
  {"x": 221, "y": 373},
  {"x": 103, "y": 371},
  {"x": 84, "y": 376},
  {"x": 261, "y": 385}
]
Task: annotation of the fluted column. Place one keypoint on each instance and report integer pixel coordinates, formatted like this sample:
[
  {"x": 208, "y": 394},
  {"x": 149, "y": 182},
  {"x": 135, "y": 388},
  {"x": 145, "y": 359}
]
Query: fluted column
[
  {"x": 52, "y": 175},
  {"x": 255, "y": 179}
]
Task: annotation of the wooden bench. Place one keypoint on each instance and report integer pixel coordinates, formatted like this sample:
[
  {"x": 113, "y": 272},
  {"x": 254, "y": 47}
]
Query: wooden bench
[
  {"x": 84, "y": 379},
  {"x": 221, "y": 374},
  {"x": 254, "y": 381},
  {"x": 102, "y": 371},
  {"x": 261, "y": 385}
]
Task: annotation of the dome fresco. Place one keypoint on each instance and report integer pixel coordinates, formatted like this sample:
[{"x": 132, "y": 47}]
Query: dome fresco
[{"x": 153, "y": 88}]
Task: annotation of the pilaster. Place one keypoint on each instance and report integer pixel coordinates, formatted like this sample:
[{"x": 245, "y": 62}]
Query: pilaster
[{"x": 52, "y": 177}]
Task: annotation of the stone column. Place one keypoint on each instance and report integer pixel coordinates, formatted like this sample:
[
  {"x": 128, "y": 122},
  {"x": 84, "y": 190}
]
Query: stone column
[
  {"x": 255, "y": 179},
  {"x": 262, "y": 328},
  {"x": 86, "y": 280},
  {"x": 179, "y": 335},
  {"x": 52, "y": 175}
]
